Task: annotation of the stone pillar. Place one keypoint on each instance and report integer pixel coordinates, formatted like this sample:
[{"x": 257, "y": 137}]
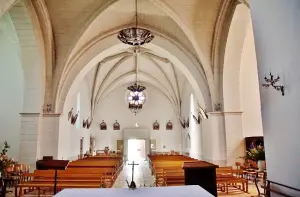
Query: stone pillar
[
  {"x": 214, "y": 141},
  {"x": 235, "y": 142},
  {"x": 49, "y": 135},
  {"x": 29, "y": 139},
  {"x": 276, "y": 32}
]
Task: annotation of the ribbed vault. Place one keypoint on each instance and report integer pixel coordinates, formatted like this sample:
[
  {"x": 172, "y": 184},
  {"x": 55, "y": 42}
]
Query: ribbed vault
[{"x": 119, "y": 69}]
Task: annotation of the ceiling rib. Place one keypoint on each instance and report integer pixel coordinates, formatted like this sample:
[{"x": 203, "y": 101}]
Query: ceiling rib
[
  {"x": 133, "y": 73},
  {"x": 164, "y": 73},
  {"x": 123, "y": 59}
]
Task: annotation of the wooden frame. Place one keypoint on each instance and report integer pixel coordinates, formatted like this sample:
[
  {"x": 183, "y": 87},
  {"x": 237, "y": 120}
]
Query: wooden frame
[
  {"x": 116, "y": 125},
  {"x": 103, "y": 126},
  {"x": 169, "y": 125},
  {"x": 156, "y": 125}
]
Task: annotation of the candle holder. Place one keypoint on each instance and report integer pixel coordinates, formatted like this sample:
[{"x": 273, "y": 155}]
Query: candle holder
[{"x": 272, "y": 82}]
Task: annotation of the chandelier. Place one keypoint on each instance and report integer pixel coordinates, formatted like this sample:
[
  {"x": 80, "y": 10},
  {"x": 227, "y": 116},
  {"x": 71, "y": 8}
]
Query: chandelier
[
  {"x": 135, "y": 36},
  {"x": 136, "y": 101},
  {"x": 136, "y": 88},
  {"x": 136, "y": 97}
]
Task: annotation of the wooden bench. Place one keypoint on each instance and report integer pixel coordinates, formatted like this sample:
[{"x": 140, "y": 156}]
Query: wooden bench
[
  {"x": 84, "y": 173},
  {"x": 44, "y": 181},
  {"x": 168, "y": 169},
  {"x": 228, "y": 177}
]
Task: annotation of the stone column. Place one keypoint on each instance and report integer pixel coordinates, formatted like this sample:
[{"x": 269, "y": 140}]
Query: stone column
[
  {"x": 235, "y": 141},
  {"x": 214, "y": 141},
  {"x": 29, "y": 139},
  {"x": 49, "y": 135},
  {"x": 277, "y": 32}
]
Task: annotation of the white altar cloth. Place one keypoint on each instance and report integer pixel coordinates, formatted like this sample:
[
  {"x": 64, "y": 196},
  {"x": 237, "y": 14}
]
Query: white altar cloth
[{"x": 177, "y": 191}]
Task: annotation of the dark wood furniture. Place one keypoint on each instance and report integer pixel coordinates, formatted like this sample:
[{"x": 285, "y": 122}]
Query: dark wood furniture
[
  {"x": 4, "y": 182},
  {"x": 201, "y": 173},
  {"x": 51, "y": 164}
]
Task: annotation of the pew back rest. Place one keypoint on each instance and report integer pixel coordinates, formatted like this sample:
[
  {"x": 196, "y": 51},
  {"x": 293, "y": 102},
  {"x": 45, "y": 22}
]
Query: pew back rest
[{"x": 228, "y": 170}]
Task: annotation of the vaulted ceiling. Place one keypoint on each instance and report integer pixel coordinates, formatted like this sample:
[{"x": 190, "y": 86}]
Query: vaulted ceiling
[
  {"x": 70, "y": 27},
  {"x": 120, "y": 69}
]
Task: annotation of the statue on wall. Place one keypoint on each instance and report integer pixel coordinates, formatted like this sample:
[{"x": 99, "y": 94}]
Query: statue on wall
[
  {"x": 169, "y": 125},
  {"x": 103, "y": 126},
  {"x": 116, "y": 125},
  {"x": 106, "y": 150},
  {"x": 81, "y": 148},
  {"x": 156, "y": 125},
  {"x": 92, "y": 145}
]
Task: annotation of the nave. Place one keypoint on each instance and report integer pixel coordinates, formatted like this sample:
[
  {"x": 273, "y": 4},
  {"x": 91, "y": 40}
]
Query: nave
[
  {"x": 142, "y": 175},
  {"x": 109, "y": 171},
  {"x": 205, "y": 79}
]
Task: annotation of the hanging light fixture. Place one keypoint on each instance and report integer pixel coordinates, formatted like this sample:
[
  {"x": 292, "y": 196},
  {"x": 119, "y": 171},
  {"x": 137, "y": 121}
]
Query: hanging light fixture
[
  {"x": 134, "y": 35},
  {"x": 136, "y": 97}
]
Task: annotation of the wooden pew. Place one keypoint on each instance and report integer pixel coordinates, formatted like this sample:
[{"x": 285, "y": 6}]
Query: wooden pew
[
  {"x": 228, "y": 177},
  {"x": 85, "y": 173},
  {"x": 42, "y": 181},
  {"x": 168, "y": 168}
]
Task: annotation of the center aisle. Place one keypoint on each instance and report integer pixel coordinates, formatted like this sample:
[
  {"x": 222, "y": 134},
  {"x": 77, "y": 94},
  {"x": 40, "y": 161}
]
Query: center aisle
[{"x": 142, "y": 175}]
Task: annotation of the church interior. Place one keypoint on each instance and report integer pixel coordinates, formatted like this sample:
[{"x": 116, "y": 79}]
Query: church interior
[{"x": 155, "y": 96}]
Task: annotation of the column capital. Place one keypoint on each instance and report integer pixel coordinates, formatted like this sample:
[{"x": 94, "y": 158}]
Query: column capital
[
  {"x": 233, "y": 112},
  {"x": 51, "y": 115},
  {"x": 35, "y": 114},
  {"x": 218, "y": 113}
]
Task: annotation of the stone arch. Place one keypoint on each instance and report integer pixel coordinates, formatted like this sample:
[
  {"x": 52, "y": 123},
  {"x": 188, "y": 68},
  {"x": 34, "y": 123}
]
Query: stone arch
[
  {"x": 103, "y": 45},
  {"x": 6, "y": 5},
  {"x": 240, "y": 76},
  {"x": 31, "y": 55},
  {"x": 202, "y": 60},
  {"x": 12, "y": 85},
  {"x": 232, "y": 58}
]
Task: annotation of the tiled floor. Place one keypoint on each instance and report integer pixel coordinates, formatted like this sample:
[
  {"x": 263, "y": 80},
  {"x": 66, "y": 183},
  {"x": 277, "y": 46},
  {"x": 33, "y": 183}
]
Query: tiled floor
[{"x": 142, "y": 175}]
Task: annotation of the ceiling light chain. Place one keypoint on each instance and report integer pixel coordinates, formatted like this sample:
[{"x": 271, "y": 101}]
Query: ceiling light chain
[
  {"x": 135, "y": 36},
  {"x": 136, "y": 98}
]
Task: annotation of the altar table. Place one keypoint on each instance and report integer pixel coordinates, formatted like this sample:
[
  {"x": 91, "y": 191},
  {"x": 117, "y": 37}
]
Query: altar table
[{"x": 176, "y": 191}]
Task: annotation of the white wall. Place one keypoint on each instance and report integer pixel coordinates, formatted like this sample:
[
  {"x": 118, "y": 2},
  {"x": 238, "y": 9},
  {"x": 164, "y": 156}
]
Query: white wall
[
  {"x": 276, "y": 31},
  {"x": 249, "y": 88},
  {"x": 157, "y": 108},
  {"x": 240, "y": 83},
  {"x": 11, "y": 86},
  {"x": 70, "y": 135},
  {"x": 189, "y": 107}
]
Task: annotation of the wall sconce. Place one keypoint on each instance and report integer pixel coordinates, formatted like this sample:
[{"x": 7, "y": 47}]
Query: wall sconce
[
  {"x": 184, "y": 123},
  {"x": 87, "y": 123},
  {"x": 272, "y": 82},
  {"x": 74, "y": 118},
  {"x": 202, "y": 115}
]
